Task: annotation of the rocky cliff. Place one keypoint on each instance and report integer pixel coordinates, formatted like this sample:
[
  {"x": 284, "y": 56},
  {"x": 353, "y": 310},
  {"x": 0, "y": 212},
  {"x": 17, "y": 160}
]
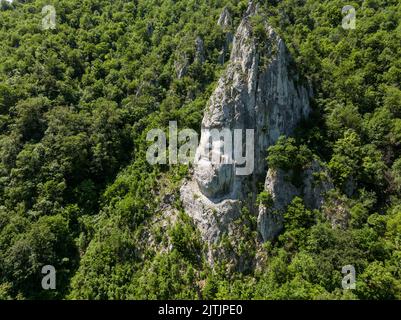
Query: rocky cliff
[
  {"x": 261, "y": 91},
  {"x": 315, "y": 183}
]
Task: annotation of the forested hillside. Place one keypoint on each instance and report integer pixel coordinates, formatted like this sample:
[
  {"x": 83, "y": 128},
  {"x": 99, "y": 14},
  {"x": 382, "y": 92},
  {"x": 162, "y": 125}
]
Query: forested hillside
[{"x": 76, "y": 191}]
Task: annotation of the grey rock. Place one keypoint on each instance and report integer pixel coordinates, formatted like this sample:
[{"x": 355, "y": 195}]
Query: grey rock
[
  {"x": 337, "y": 211},
  {"x": 225, "y": 20},
  {"x": 259, "y": 91},
  {"x": 224, "y": 50},
  {"x": 278, "y": 184},
  {"x": 315, "y": 189},
  {"x": 181, "y": 65}
]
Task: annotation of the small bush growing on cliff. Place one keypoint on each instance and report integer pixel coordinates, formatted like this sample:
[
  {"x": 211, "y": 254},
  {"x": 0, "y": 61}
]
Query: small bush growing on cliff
[
  {"x": 264, "y": 198},
  {"x": 286, "y": 155}
]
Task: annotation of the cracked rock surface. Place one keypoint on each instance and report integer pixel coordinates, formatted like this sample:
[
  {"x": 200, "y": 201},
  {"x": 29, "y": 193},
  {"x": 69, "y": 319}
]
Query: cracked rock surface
[{"x": 259, "y": 90}]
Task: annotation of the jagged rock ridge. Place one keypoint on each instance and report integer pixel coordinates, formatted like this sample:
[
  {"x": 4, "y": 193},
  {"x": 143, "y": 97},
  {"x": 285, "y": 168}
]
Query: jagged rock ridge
[{"x": 259, "y": 90}]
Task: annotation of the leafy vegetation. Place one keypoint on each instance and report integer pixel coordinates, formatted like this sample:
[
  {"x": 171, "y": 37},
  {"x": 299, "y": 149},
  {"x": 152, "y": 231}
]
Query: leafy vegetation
[{"x": 76, "y": 191}]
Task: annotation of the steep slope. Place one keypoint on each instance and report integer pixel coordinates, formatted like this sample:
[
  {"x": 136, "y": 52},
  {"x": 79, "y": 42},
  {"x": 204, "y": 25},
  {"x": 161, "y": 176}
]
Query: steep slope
[{"x": 261, "y": 91}]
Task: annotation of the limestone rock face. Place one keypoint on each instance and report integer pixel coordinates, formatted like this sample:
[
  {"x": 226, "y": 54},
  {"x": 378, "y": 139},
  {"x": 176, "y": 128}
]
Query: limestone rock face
[
  {"x": 225, "y": 22},
  {"x": 182, "y": 62},
  {"x": 278, "y": 184},
  {"x": 181, "y": 65},
  {"x": 225, "y": 19},
  {"x": 260, "y": 91},
  {"x": 313, "y": 188},
  {"x": 214, "y": 180}
]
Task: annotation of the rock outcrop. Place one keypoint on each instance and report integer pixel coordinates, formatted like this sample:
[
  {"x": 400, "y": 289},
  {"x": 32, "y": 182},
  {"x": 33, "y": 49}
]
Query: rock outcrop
[
  {"x": 225, "y": 22},
  {"x": 225, "y": 19},
  {"x": 259, "y": 91},
  {"x": 182, "y": 62},
  {"x": 315, "y": 183},
  {"x": 181, "y": 65}
]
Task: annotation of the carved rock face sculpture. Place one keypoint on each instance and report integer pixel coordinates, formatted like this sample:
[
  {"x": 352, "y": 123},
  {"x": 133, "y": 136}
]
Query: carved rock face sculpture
[{"x": 259, "y": 91}]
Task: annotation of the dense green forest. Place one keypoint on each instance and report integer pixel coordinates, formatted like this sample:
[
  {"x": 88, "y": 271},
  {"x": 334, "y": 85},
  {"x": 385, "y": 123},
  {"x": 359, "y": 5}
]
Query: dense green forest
[{"x": 76, "y": 191}]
